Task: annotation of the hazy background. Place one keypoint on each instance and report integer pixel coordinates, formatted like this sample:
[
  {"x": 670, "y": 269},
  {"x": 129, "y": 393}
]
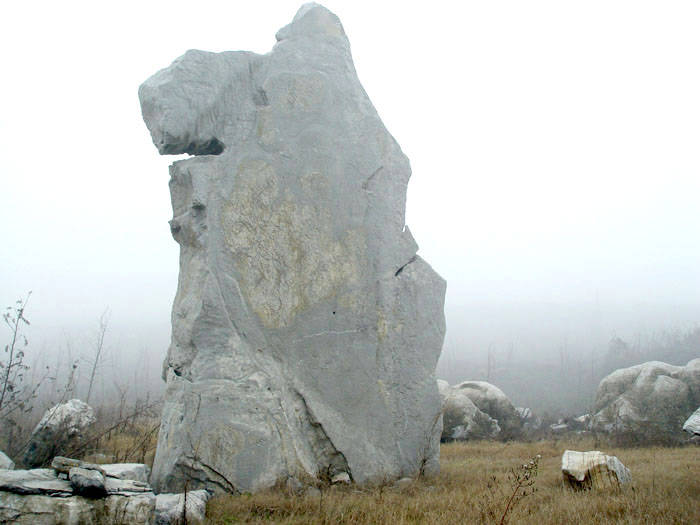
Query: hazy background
[{"x": 555, "y": 154}]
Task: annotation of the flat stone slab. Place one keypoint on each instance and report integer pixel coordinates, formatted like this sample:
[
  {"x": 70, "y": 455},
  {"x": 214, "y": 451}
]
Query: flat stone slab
[
  {"x": 133, "y": 471},
  {"x": 34, "y": 482}
]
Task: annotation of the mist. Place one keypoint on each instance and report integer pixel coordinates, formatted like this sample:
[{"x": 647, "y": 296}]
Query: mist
[{"x": 555, "y": 165}]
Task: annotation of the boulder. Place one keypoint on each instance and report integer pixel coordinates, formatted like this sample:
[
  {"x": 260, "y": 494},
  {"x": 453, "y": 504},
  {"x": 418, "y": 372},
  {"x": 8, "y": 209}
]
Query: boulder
[
  {"x": 462, "y": 420},
  {"x": 61, "y": 429},
  {"x": 651, "y": 400},
  {"x": 692, "y": 424},
  {"x": 491, "y": 400},
  {"x": 305, "y": 328},
  {"x": 88, "y": 483},
  {"x": 593, "y": 469},
  {"x": 5, "y": 462},
  {"x": 181, "y": 509}
]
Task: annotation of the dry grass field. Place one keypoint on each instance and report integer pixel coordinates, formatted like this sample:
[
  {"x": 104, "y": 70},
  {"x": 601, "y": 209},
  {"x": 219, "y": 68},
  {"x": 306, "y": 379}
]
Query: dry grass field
[{"x": 474, "y": 487}]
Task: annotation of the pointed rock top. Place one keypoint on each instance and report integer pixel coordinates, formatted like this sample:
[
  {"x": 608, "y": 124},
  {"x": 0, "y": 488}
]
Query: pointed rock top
[{"x": 312, "y": 20}]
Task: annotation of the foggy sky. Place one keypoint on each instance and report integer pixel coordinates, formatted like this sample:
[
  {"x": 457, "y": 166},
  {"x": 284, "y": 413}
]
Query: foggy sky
[{"x": 554, "y": 148}]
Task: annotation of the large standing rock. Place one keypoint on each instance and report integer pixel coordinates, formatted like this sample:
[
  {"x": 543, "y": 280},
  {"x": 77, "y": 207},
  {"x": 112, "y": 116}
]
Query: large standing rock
[
  {"x": 305, "y": 329},
  {"x": 652, "y": 399},
  {"x": 61, "y": 429},
  {"x": 585, "y": 470},
  {"x": 461, "y": 419}
]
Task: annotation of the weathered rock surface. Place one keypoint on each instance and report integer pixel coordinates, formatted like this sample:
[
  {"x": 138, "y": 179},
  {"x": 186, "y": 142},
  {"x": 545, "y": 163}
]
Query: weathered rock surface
[
  {"x": 461, "y": 419},
  {"x": 593, "y": 469},
  {"x": 5, "y": 462},
  {"x": 61, "y": 428},
  {"x": 77, "y": 510},
  {"x": 170, "y": 508},
  {"x": 652, "y": 398},
  {"x": 305, "y": 329},
  {"x": 692, "y": 424},
  {"x": 39, "y": 497},
  {"x": 128, "y": 471},
  {"x": 490, "y": 401},
  {"x": 63, "y": 465}
]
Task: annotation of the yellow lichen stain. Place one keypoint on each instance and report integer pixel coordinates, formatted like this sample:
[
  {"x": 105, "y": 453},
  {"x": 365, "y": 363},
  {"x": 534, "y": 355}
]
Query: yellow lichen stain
[
  {"x": 284, "y": 246},
  {"x": 382, "y": 326}
]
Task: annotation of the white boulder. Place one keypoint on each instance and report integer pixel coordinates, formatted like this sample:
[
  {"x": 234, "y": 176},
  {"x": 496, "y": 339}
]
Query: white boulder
[
  {"x": 461, "y": 419},
  {"x": 491, "y": 400},
  {"x": 61, "y": 429},
  {"x": 593, "y": 469},
  {"x": 651, "y": 399}
]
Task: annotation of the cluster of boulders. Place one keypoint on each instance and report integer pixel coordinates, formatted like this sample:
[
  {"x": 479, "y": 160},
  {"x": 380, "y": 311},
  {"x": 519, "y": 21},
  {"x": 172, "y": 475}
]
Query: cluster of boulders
[
  {"x": 478, "y": 410},
  {"x": 652, "y": 399}
]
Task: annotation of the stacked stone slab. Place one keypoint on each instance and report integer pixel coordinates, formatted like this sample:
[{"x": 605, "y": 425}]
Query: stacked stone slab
[
  {"x": 305, "y": 329},
  {"x": 73, "y": 492}
]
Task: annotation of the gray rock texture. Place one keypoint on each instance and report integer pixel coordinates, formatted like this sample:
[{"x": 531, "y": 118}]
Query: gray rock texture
[
  {"x": 181, "y": 509},
  {"x": 652, "y": 399},
  {"x": 593, "y": 469},
  {"x": 60, "y": 429},
  {"x": 5, "y": 462},
  {"x": 305, "y": 329}
]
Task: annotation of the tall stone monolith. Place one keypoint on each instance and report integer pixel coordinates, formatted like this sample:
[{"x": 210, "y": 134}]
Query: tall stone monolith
[{"x": 305, "y": 329}]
